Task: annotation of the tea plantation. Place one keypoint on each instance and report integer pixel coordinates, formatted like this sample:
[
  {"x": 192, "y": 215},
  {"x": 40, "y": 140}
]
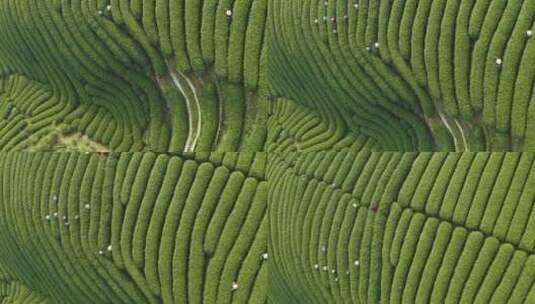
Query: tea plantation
[
  {"x": 166, "y": 79},
  {"x": 267, "y": 151},
  {"x": 133, "y": 75},
  {"x": 451, "y": 75},
  {"x": 133, "y": 228},
  {"x": 378, "y": 227},
  {"x": 354, "y": 219}
]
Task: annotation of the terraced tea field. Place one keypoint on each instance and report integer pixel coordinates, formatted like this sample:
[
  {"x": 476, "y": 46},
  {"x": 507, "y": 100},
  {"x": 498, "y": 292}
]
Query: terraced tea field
[
  {"x": 372, "y": 227},
  {"x": 188, "y": 83},
  {"x": 123, "y": 228},
  {"x": 413, "y": 75},
  {"x": 355, "y": 220},
  {"x": 267, "y": 151}
]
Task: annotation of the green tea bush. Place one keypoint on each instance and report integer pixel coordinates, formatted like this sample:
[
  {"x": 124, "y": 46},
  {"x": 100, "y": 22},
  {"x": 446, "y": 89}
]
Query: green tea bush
[
  {"x": 403, "y": 227},
  {"x": 131, "y": 228},
  {"x": 436, "y": 75},
  {"x": 127, "y": 62}
]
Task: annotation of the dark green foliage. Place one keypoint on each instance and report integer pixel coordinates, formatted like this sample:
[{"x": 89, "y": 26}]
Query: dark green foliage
[
  {"x": 106, "y": 72},
  {"x": 403, "y": 228},
  {"x": 102, "y": 240},
  {"x": 330, "y": 89}
]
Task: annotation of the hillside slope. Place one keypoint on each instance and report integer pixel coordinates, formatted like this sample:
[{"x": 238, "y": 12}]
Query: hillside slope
[
  {"x": 373, "y": 227},
  {"x": 133, "y": 228},
  {"x": 163, "y": 76}
]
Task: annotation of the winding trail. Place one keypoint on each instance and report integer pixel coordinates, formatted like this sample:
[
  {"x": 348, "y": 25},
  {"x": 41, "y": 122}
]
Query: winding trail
[{"x": 194, "y": 108}]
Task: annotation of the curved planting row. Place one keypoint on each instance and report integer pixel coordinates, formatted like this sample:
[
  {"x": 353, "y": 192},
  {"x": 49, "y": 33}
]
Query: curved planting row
[
  {"x": 31, "y": 119},
  {"x": 433, "y": 75},
  {"x": 295, "y": 128},
  {"x": 315, "y": 60},
  {"x": 402, "y": 227},
  {"x": 12, "y": 291},
  {"x": 134, "y": 228},
  {"x": 15, "y": 292},
  {"x": 145, "y": 75}
]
